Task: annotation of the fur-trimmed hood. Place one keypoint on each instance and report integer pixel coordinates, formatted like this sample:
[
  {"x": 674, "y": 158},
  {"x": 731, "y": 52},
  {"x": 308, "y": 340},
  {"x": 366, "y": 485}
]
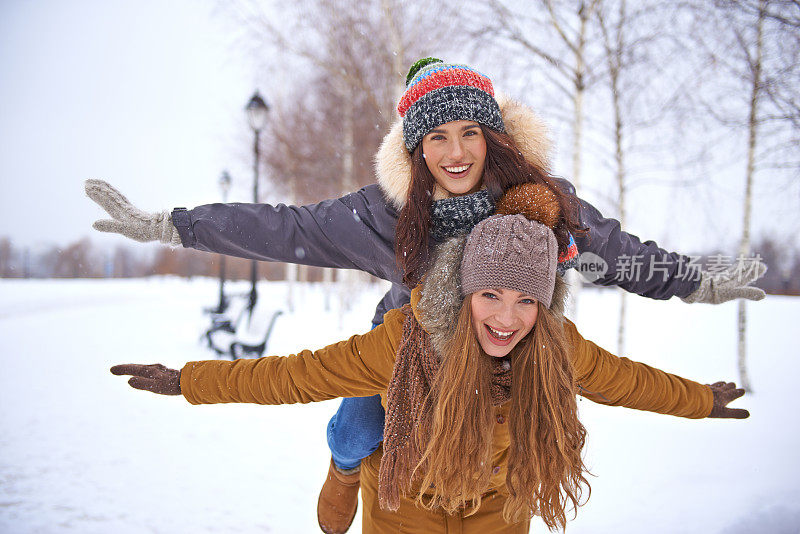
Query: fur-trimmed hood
[
  {"x": 437, "y": 300},
  {"x": 393, "y": 161}
]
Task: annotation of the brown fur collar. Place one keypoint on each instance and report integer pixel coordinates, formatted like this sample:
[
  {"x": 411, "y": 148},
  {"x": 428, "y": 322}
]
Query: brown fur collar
[
  {"x": 393, "y": 162},
  {"x": 440, "y": 294}
]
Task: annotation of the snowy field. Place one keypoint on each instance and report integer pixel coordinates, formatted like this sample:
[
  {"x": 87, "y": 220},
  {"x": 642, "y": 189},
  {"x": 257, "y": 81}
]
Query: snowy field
[{"x": 81, "y": 452}]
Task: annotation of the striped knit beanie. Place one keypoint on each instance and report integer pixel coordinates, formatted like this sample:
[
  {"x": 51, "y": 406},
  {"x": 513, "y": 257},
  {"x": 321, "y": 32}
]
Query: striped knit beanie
[
  {"x": 438, "y": 92},
  {"x": 510, "y": 251}
]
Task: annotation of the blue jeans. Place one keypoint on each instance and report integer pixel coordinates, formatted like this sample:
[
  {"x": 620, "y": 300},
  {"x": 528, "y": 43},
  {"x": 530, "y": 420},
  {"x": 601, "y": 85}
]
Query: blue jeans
[{"x": 355, "y": 430}]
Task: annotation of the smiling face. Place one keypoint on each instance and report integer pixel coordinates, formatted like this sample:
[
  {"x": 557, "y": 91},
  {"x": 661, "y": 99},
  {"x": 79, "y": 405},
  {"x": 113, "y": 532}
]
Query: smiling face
[
  {"x": 455, "y": 153},
  {"x": 501, "y": 318}
]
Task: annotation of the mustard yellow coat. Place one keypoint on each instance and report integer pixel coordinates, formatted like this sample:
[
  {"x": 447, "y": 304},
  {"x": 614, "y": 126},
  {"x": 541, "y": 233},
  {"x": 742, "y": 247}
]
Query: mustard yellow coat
[{"x": 362, "y": 366}]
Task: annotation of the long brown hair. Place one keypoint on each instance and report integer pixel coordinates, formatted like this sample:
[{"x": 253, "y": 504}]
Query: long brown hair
[
  {"x": 504, "y": 167},
  {"x": 545, "y": 469}
]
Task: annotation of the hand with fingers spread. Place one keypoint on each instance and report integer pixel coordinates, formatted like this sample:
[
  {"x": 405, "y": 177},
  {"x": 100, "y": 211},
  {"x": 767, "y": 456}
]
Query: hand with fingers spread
[
  {"x": 734, "y": 283},
  {"x": 724, "y": 393},
  {"x": 154, "y": 378},
  {"x": 127, "y": 219}
]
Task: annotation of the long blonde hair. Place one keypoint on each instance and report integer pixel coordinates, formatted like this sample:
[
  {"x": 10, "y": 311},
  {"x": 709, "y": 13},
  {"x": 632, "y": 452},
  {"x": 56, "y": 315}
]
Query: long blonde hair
[{"x": 545, "y": 468}]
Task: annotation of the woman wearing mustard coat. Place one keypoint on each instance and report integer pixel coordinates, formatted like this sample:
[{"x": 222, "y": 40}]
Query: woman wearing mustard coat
[{"x": 478, "y": 376}]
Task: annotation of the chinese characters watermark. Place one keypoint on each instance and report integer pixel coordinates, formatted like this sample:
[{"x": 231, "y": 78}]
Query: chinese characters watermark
[{"x": 640, "y": 267}]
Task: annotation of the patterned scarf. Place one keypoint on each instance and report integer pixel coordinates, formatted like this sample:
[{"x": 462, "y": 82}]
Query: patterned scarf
[
  {"x": 414, "y": 372},
  {"x": 455, "y": 216}
]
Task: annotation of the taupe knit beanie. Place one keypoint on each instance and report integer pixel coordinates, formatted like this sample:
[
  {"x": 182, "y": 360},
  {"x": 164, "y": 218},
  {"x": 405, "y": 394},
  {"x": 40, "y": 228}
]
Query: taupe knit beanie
[{"x": 510, "y": 251}]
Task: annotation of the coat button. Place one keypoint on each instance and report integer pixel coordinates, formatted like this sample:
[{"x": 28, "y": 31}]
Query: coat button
[
  {"x": 501, "y": 419},
  {"x": 496, "y": 469}
]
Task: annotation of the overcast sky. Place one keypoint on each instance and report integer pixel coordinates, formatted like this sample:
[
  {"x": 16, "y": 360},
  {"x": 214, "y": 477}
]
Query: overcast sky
[{"x": 147, "y": 95}]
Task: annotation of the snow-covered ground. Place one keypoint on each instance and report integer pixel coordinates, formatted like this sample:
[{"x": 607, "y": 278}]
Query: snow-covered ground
[{"x": 81, "y": 452}]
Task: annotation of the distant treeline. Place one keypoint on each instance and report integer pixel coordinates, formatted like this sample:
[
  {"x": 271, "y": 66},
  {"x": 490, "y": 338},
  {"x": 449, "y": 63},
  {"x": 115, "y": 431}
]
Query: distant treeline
[{"x": 84, "y": 259}]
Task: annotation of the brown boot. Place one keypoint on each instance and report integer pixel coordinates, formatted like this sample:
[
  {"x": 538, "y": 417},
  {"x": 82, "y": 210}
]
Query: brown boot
[{"x": 338, "y": 500}]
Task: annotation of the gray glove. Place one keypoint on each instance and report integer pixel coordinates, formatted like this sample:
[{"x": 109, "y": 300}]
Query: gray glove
[
  {"x": 127, "y": 219},
  {"x": 728, "y": 285}
]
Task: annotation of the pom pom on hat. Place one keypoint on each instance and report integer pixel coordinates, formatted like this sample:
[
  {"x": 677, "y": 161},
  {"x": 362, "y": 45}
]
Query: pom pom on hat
[
  {"x": 418, "y": 64},
  {"x": 535, "y": 201}
]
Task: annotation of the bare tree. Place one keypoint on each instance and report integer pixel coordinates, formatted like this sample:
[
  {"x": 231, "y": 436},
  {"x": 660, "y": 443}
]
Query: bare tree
[
  {"x": 126, "y": 263},
  {"x": 346, "y": 62},
  {"x": 755, "y": 55},
  {"x": 753, "y": 51},
  {"x": 616, "y": 49},
  {"x": 632, "y": 43},
  {"x": 78, "y": 260},
  {"x": 554, "y": 37},
  {"x": 6, "y": 257}
]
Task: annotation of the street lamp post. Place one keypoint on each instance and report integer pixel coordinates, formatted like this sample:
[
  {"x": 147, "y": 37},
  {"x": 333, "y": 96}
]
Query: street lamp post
[
  {"x": 257, "y": 111},
  {"x": 224, "y": 186}
]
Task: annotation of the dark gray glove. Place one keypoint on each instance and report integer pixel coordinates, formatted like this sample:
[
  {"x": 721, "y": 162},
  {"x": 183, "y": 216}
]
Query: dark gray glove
[
  {"x": 728, "y": 285},
  {"x": 129, "y": 220},
  {"x": 724, "y": 393},
  {"x": 154, "y": 378}
]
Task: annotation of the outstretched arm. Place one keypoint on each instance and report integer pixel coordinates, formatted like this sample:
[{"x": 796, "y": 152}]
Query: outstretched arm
[
  {"x": 648, "y": 270},
  {"x": 360, "y": 366},
  {"x": 607, "y": 379},
  {"x": 355, "y": 231}
]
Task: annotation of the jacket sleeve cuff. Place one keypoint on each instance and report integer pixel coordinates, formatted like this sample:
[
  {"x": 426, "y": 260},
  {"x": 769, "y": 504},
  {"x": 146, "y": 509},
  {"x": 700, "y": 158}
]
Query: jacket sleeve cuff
[
  {"x": 708, "y": 403},
  {"x": 186, "y": 382},
  {"x": 182, "y": 221}
]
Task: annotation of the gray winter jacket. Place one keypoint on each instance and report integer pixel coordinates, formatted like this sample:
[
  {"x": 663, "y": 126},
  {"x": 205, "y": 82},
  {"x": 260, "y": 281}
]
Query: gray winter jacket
[{"x": 357, "y": 230}]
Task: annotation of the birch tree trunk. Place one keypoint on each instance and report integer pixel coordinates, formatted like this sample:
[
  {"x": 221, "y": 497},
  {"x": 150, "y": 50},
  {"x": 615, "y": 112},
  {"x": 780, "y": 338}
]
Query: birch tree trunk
[
  {"x": 398, "y": 50},
  {"x": 291, "y": 285},
  {"x": 580, "y": 88},
  {"x": 327, "y": 287},
  {"x": 347, "y": 278},
  {"x": 579, "y": 83},
  {"x": 615, "y": 48},
  {"x": 621, "y": 199},
  {"x": 574, "y": 279},
  {"x": 744, "y": 244}
]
